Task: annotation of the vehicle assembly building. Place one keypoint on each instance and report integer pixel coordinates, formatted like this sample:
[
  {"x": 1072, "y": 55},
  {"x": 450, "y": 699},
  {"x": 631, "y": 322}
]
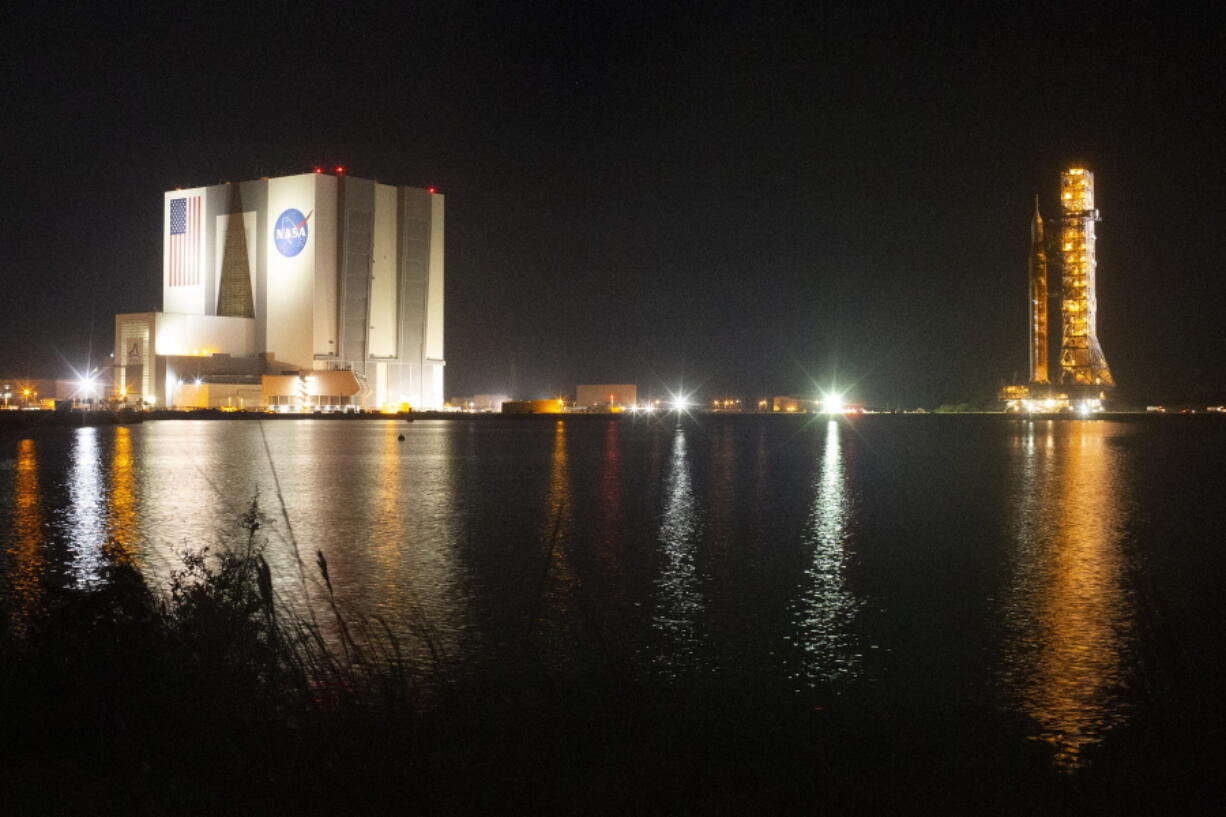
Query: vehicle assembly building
[
  {"x": 335, "y": 280},
  {"x": 1082, "y": 376}
]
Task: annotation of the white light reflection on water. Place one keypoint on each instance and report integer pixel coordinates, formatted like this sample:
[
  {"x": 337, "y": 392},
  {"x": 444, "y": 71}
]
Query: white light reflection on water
[
  {"x": 86, "y": 523},
  {"x": 1068, "y": 610},
  {"x": 201, "y": 476},
  {"x": 678, "y": 600},
  {"x": 827, "y": 608}
]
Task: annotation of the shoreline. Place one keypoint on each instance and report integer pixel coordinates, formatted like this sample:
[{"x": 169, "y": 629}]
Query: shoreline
[{"x": 26, "y": 420}]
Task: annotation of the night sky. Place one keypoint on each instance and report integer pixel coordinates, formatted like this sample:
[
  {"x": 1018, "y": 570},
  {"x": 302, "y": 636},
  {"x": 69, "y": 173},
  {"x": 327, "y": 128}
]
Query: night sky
[{"x": 747, "y": 201}]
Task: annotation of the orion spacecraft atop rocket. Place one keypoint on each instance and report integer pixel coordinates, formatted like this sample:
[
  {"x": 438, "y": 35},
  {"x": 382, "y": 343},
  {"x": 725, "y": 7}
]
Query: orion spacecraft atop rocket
[{"x": 1082, "y": 376}]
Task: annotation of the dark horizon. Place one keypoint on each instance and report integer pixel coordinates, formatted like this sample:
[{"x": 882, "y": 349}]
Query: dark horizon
[{"x": 748, "y": 203}]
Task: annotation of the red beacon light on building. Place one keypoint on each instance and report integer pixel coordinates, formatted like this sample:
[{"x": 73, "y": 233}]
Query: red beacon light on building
[
  {"x": 340, "y": 171},
  {"x": 431, "y": 190},
  {"x": 319, "y": 170}
]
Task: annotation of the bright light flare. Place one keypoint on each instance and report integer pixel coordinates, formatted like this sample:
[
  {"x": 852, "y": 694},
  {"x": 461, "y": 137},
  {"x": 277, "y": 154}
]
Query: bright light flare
[
  {"x": 833, "y": 404},
  {"x": 87, "y": 387},
  {"x": 680, "y": 403}
]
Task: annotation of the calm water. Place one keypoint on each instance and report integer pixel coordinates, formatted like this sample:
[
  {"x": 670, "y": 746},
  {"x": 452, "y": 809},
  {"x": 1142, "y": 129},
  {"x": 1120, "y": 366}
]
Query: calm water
[{"x": 1054, "y": 584}]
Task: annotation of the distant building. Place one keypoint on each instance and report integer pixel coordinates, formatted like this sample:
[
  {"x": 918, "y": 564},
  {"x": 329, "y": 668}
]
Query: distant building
[
  {"x": 606, "y": 396},
  {"x": 791, "y": 405},
  {"x": 240, "y": 396},
  {"x": 314, "y": 391},
  {"x": 25, "y": 392},
  {"x": 534, "y": 407},
  {"x": 306, "y": 391},
  {"x": 304, "y": 274},
  {"x": 728, "y": 405},
  {"x": 479, "y": 402}
]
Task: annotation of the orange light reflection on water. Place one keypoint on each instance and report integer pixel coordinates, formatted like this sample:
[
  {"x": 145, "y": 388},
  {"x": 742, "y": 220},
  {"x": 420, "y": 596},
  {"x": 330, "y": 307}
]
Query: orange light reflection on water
[
  {"x": 610, "y": 500},
  {"x": 27, "y": 563},
  {"x": 414, "y": 574},
  {"x": 558, "y": 612},
  {"x": 1069, "y": 609},
  {"x": 120, "y": 547},
  {"x": 388, "y": 511}
]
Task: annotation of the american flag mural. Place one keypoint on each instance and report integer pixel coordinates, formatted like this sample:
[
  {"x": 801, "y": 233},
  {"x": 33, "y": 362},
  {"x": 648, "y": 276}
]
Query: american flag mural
[{"x": 184, "y": 243}]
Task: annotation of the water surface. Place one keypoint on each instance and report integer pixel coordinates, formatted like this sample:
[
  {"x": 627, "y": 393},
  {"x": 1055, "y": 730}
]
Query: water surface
[{"x": 953, "y": 585}]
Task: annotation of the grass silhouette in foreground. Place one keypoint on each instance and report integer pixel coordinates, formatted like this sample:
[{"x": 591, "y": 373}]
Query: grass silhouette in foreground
[{"x": 211, "y": 694}]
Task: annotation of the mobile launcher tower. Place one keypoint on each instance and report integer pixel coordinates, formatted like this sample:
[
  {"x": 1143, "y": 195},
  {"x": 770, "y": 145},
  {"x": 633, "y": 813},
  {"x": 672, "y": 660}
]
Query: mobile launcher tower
[{"x": 1083, "y": 378}]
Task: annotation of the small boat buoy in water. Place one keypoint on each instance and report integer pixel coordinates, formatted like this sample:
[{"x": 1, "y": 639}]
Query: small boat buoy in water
[{"x": 401, "y": 438}]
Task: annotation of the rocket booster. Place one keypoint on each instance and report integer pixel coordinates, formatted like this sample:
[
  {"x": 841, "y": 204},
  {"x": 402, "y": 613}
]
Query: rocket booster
[{"x": 1038, "y": 300}]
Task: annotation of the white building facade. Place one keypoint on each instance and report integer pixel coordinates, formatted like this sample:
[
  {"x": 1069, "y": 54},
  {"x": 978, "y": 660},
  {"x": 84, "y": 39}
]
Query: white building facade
[{"x": 307, "y": 272}]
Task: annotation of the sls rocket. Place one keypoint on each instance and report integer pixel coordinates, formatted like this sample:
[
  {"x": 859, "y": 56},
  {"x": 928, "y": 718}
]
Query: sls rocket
[{"x": 1038, "y": 300}]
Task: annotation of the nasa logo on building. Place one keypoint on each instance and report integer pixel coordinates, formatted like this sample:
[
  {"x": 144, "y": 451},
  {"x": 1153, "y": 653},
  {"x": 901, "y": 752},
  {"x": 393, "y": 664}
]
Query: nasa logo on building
[{"x": 290, "y": 232}]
